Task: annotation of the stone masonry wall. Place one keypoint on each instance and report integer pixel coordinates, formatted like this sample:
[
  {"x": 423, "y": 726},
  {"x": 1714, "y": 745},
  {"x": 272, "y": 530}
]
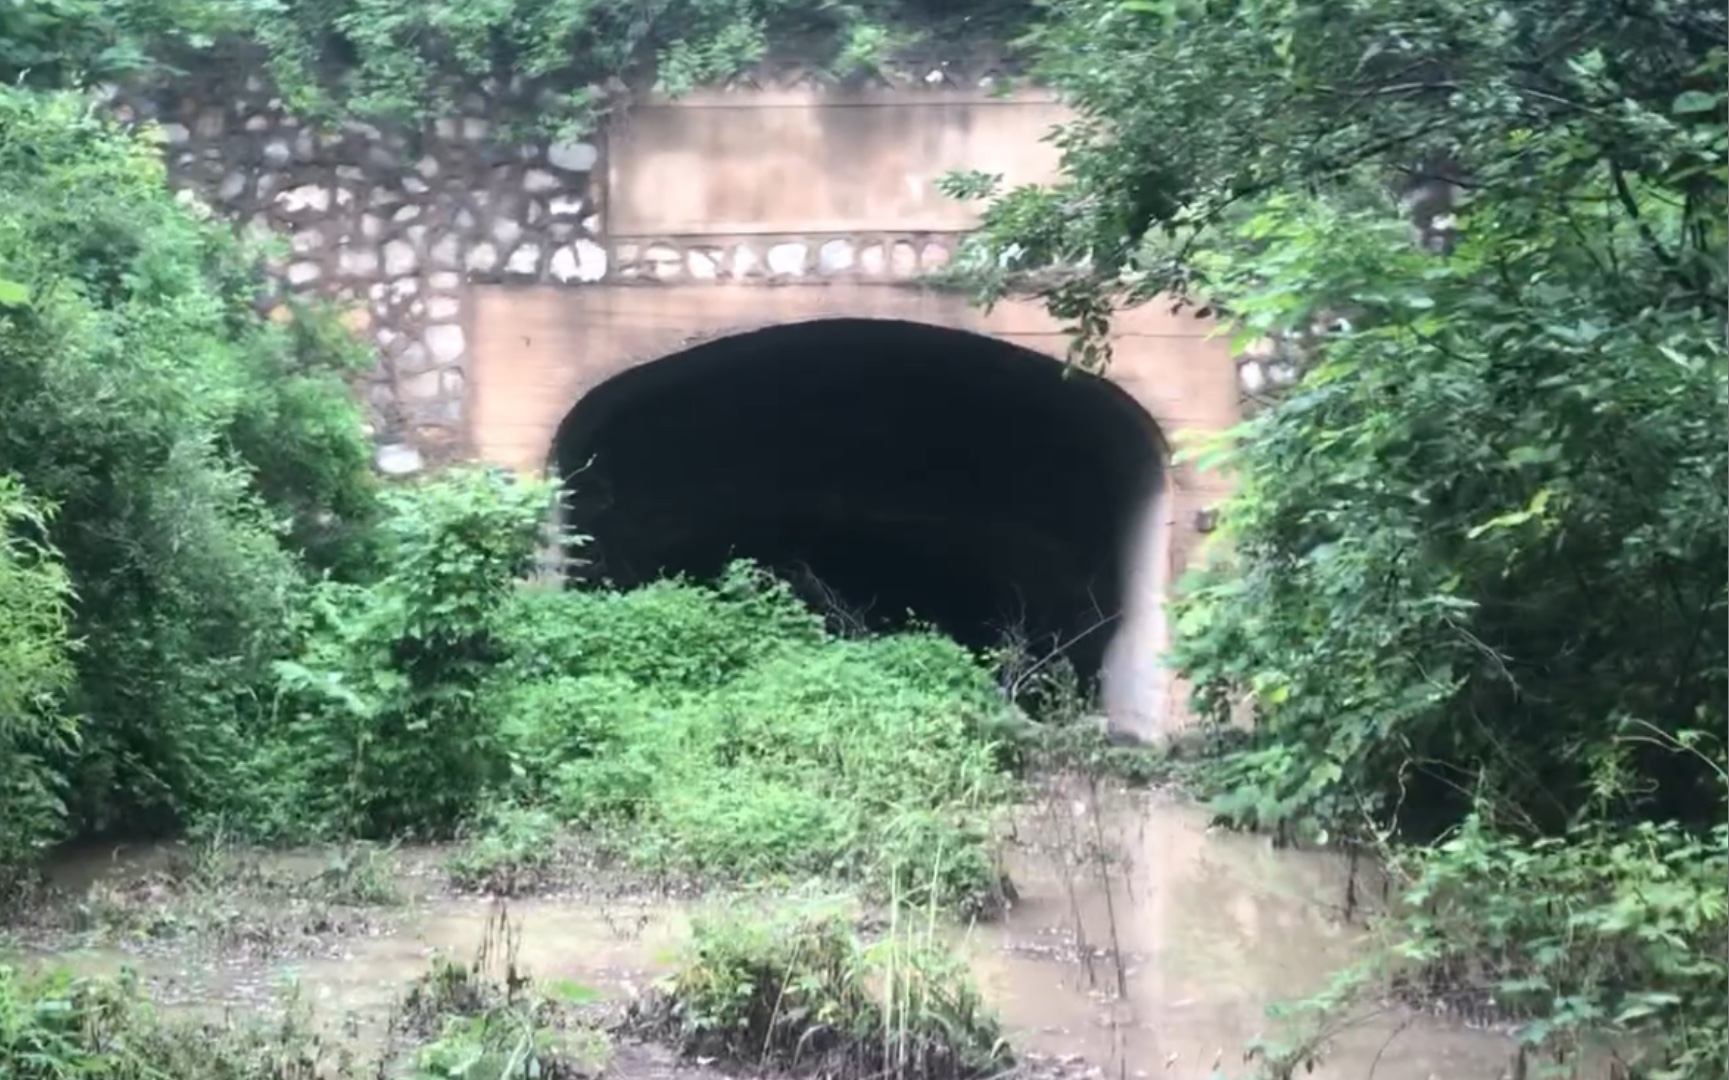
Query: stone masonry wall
[{"x": 395, "y": 225}]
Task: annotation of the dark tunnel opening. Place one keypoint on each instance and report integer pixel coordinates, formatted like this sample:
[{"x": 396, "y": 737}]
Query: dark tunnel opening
[{"x": 907, "y": 468}]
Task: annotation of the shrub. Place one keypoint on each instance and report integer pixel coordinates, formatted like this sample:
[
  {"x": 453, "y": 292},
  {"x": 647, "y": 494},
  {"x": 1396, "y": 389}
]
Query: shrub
[
  {"x": 175, "y": 432},
  {"x": 384, "y": 728},
  {"x": 722, "y": 730},
  {"x": 35, "y": 671},
  {"x": 798, "y": 988}
]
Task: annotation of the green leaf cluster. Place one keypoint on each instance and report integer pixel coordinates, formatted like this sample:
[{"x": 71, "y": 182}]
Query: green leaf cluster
[
  {"x": 1470, "y": 591},
  {"x": 199, "y": 460}
]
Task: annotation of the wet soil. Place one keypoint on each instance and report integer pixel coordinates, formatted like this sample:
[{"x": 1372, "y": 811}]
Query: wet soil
[{"x": 1142, "y": 943}]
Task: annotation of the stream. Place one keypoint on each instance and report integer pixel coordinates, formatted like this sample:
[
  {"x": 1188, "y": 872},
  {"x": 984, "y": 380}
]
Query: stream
[{"x": 1159, "y": 960}]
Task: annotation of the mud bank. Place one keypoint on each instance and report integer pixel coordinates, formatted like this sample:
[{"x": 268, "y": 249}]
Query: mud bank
[{"x": 1142, "y": 943}]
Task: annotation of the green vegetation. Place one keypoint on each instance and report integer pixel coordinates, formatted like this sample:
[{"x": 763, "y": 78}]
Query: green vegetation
[
  {"x": 799, "y": 988},
  {"x": 199, "y": 463},
  {"x": 1470, "y": 589},
  {"x": 1472, "y": 584},
  {"x": 557, "y": 66},
  {"x": 485, "y": 1018}
]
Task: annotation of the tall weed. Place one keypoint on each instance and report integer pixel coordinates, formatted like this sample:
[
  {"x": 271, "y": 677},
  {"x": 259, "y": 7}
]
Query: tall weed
[{"x": 723, "y": 730}]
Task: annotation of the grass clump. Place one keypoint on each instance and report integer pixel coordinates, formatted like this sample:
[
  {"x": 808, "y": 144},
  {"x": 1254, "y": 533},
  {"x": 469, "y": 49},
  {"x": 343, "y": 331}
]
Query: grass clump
[
  {"x": 801, "y": 989},
  {"x": 514, "y": 851},
  {"x": 723, "y": 731},
  {"x": 485, "y": 1018},
  {"x": 54, "y": 1026}
]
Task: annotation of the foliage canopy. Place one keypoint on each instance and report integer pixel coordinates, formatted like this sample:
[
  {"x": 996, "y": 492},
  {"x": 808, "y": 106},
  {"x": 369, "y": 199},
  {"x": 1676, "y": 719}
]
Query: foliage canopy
[{"x": 1472, "y": 581}]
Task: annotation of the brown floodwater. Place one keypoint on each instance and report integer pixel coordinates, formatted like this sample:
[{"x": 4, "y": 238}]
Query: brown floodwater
[{"x": 1160, "y": 959}]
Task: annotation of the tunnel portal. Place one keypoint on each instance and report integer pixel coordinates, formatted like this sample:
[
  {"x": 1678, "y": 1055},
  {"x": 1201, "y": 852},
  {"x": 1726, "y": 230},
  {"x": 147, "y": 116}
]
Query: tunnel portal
[{"x": 911, "y": 470}]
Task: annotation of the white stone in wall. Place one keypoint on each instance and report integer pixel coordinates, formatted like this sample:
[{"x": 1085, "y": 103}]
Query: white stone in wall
[
  {"x": 176, "y": 134},
  {"x": 303, "y": 199},
  {"x": 443, "y": 308},
  {"x": 358, "y": 262},
  {"x": 277, "y": 154},
  {"x": 506, "y": 232},
  {"x": 835, "y": 256},
  {"x": 405, "y": 213},
  {"x": 1250, "y": 377},
  {"x": 447, "y": 252},
  {"x": 403, "y": 288},
  {"x": 583, "y": 261},
  {"x": 232, "y": 186},
  {"x": 445, "y": 281},
  {"x": 450, "y": 383},
  {"x": 427, "y": 166},
  {"x": 398, "y": 459},
  {"x": 787, "y": 259},
  {"x": 903, "y": 259},
  {"x": 414, "y": 185},
  {"x": 304, "y": 273},
  {"x": 400, "y": 259},
  {"x": 371, "y": 226},
  {"x": 305, "y": 241},
  {"x": 701, "y": 265},
  {"x": 573, "y": 156},
  {"x": 564, "y": 206},
  {"x": 525, "y": 260},
  {"x": 664, "y": 262},
  {"x": 445, "y": 342},
  {"x": 562, "y": 266},
  {"x": 536, "y": 181},
  {"x": 474, "y": 128},
  {"x": 413, "y": 358},
  {"x": 419, "y": 389}
]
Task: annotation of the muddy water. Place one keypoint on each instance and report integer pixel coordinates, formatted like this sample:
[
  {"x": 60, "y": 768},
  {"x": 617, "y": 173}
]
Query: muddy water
[
  {"x": 1210, "y": 929},
  {"x": 1158, "y": 960}
]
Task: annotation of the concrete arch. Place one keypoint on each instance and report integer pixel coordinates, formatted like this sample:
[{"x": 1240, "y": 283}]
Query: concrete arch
[{"x": 568, "y": 368}]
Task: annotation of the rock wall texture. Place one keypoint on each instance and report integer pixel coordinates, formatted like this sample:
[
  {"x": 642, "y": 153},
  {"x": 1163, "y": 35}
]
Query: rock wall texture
[
  {"x": 393, "y": 226},
  {"x": 396, "y": 226}
]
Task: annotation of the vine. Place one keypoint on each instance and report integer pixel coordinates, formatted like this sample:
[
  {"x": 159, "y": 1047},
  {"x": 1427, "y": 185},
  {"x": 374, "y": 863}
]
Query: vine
[{"x": 556, "y": 67}]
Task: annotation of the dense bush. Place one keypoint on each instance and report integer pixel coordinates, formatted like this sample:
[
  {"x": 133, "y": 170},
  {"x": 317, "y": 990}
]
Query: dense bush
[
  {"x": 800, "y": 989},
  {"x": 1471, "y": 586},
  {"x": 382, "y": 727},
  {"x": 723, "y": 730},
  {"x": 35, "y": 670},
  {"x": 176, "y": 434}
]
